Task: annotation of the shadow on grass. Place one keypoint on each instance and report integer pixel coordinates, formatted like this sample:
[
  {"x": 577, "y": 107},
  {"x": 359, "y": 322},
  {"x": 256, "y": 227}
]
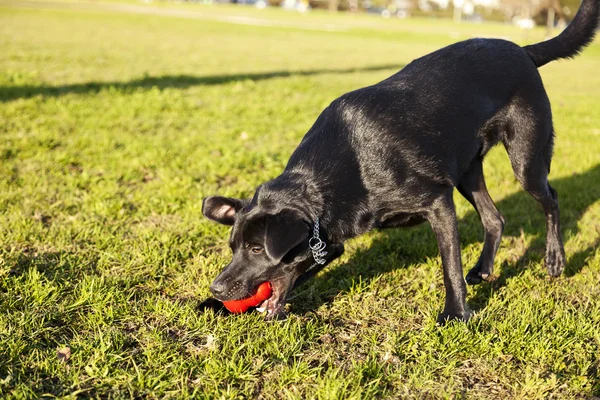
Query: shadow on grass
[
  {"x": 54, "y": 265},
  {"x": 8, "y": 93},
  {"x": 413, "y": 245}
]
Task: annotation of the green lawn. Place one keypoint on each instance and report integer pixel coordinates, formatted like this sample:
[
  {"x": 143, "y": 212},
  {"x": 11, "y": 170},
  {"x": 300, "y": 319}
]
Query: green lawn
[{"x": 117, "y": 119}]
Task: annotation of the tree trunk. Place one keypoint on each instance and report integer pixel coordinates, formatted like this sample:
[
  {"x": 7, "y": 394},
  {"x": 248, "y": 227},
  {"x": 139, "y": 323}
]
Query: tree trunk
[{"x": 333, "y": 5}]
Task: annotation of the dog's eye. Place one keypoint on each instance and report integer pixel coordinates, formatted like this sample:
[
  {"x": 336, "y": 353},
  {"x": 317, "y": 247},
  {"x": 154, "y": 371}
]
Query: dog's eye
[{"x": 256, "y": 249}]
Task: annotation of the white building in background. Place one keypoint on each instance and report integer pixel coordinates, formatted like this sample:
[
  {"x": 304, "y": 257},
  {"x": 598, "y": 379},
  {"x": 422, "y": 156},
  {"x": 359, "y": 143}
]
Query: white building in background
[
  {"x": 468, "y": 4},
  {"x": 495, "y": 4}
]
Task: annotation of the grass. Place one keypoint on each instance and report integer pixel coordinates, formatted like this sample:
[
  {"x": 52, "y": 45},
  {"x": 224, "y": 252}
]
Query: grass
[{"x": 115, "y": 124}]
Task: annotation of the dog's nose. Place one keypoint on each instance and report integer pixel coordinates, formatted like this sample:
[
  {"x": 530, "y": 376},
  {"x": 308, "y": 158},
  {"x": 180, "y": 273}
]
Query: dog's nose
[{"x": 217, "y": 288}]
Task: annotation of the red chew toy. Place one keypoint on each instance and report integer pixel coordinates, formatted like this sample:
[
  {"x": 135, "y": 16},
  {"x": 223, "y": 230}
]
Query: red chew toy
[{"x": 239, "y": 306}]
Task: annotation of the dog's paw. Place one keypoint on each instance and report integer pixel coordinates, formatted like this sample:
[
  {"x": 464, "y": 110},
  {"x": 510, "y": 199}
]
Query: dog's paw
[
  {"x": 477, "y": 274},
  {"x": 555, "y": 260},
  {"x": 473, "y": 277},
  {"x": 447, "y": 316},
  {"x": 278, "y": 315}
]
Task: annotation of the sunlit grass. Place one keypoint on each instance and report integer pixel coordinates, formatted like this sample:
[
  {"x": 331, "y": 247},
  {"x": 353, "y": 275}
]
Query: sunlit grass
[{"x": 115, "y": 125}]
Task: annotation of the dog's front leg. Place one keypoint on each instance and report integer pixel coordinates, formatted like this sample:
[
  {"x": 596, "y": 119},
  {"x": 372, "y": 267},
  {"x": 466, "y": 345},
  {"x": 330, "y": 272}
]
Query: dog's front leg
[{"x": 442, "y": 218}]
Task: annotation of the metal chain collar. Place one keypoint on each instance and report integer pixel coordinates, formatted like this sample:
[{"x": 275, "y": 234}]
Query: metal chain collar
[{"x": 317, "y": 245}]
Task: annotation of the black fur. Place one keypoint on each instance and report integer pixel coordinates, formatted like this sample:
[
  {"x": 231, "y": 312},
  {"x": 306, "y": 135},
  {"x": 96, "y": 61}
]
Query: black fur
[
  {"x": 571, "y": 41},
  {"x": 391, "y": 154}
]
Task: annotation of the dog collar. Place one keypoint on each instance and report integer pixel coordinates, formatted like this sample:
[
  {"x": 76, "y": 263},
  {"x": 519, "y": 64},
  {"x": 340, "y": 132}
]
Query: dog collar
[{"x": 317, "y": 246}]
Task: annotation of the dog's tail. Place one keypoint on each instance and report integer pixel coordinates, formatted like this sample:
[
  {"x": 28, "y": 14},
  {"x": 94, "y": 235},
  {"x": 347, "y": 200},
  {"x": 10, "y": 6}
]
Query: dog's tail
[{"x": 572, "y": 40}]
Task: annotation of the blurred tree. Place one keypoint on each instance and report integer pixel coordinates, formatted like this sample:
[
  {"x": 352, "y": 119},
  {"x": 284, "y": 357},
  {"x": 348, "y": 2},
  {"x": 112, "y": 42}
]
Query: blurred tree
[
  {"x": 538, "y": 9},
  {"x": 570, "y": 7}
]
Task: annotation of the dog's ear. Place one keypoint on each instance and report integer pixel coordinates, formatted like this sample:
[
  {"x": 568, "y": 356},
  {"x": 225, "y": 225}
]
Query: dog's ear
[
  {"x": 284, "y": 232},
  {"x": 221, "y": 209}
]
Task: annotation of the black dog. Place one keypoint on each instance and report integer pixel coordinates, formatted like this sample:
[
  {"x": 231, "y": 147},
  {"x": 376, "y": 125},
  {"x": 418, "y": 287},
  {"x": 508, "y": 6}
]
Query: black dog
[{"x": 391, "y": 154}]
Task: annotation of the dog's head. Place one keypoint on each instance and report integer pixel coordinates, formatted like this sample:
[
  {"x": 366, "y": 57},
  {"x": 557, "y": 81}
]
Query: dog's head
[{"x": 267, "y": 244}]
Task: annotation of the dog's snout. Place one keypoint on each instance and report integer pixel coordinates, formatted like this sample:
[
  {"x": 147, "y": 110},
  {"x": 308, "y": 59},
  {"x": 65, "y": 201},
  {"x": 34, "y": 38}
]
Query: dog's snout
[
  {"x": 232, "y": 283},
  {"x": 217, "y": 288}
]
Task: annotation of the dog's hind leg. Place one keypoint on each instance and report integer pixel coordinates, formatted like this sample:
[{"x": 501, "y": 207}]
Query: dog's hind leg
[
  {"x": 472, "y": 187},
  {"x": 442, "y": 218},
  {"x": 529, "y": 147}
]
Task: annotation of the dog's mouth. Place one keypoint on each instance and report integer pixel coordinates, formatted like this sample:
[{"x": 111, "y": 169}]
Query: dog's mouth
[{"x": 274, "y": 305}]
